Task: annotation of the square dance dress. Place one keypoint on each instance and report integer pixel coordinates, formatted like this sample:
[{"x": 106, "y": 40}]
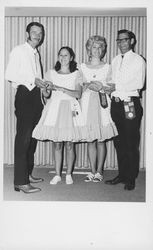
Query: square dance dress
[
  {"x": 98, "y": 120},
  {"x": 61, "y": 119}
]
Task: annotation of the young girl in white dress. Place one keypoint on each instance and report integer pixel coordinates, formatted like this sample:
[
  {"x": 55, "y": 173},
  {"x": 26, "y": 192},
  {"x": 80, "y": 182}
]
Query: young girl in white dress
[
  {"x": 62, "y": 121},
  {"x": 97, "y": 118}
]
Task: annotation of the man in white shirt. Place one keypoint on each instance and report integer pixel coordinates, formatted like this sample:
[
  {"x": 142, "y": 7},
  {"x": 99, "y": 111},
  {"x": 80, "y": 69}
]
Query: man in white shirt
[
  {"x": 24, "y": 71},
  {"x": 128, "y": 74}
]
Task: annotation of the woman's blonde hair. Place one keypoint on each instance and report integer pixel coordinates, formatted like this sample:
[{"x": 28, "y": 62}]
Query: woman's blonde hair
[{"x": 96, "y": 39}]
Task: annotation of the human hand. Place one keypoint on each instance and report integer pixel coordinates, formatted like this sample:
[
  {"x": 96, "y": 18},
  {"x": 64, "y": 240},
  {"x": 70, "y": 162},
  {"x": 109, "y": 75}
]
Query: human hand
[
  {"x": 96, "y": 86},
  {"x": 49, "y": 85},
  {"x": 85, "y": 85},
  {"x": 109, "y": 88},
  {"x": 39, "y": 83},
  {"x": 45, "y": 92}
]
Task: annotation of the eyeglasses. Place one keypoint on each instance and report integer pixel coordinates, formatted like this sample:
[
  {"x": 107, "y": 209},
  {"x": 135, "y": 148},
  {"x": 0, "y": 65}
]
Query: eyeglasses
[{"x": 124, "y": 40}]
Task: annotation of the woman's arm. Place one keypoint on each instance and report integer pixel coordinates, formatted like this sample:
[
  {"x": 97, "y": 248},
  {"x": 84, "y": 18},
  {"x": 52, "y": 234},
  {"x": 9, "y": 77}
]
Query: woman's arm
[
  {"x": 74, "y": 93},
  {"x": 52, "y": 87},
  {"x": 109, "y": 88},
  {"x": 95, "y": 86},
  {"x": 98, "y": 86},
  {"x": 77, "y": 92}
]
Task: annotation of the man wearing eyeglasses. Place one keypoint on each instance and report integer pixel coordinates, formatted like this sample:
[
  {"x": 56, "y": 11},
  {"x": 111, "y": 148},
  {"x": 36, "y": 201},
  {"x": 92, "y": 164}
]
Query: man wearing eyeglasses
[{"x": 128, "y": 74}]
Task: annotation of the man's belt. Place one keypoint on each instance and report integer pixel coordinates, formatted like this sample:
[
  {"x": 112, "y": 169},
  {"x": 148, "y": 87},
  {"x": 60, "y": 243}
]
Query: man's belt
[{"x": 117, "y": 99}]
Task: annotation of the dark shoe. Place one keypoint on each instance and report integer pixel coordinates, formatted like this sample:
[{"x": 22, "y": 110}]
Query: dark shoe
[
  {"x": 130, "y": 185},
  {"x": 114, "y": 181},
  {"x": 28, "y": 189},
  {"x": 34, "y": 179}
]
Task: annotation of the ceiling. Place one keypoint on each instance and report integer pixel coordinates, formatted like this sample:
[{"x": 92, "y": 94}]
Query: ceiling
[{"x": 73, "y": 11}]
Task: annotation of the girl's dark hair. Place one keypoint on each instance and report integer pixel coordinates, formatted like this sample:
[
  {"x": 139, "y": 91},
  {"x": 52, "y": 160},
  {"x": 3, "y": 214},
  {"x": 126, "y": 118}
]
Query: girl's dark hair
[
  {"x": 72, "y": 65},
  {"x": 28, "y": 28}
]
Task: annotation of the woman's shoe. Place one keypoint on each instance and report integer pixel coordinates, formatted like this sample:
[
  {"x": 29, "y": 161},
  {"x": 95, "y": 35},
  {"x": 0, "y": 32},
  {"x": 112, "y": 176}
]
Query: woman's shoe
[
  {"x": 55, "y": 180},
  {"x": 69, "y": 179},
  {"x": 98, "y": 177},
  {"x": 89, "y": 177}
]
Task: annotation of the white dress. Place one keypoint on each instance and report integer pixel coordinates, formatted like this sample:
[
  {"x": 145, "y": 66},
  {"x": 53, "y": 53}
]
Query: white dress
[
  {"x": 98, "y": 120},
  {"x": 61, "y": 118}
]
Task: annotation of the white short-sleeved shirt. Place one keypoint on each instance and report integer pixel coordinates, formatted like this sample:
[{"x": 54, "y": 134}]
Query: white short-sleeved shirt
[{"x": 23, "y": 66}]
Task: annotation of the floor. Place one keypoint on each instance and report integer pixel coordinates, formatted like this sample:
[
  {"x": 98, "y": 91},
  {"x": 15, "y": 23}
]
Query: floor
[{"x": 80, "y": 191}]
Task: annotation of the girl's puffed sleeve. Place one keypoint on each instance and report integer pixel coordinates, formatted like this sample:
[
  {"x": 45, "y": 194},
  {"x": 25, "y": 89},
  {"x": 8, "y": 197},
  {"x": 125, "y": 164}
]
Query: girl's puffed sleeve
[{"x": 79, "y": 78}]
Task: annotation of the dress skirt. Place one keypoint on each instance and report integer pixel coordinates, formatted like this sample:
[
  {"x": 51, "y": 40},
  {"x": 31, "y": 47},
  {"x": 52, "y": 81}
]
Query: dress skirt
[
  {"x": 99, "y": 123},
  {"x": 61, "y": 120}
]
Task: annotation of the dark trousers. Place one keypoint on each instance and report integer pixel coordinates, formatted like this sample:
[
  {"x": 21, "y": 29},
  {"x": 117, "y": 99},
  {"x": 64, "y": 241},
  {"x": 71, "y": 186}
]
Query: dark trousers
[
  {"x": 127, "y": 141},
  {"x": 28, "y": 108}
]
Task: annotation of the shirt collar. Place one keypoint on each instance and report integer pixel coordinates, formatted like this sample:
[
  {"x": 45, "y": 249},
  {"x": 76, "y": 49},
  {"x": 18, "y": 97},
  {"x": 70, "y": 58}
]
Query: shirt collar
[
  {"x": 127, "y": 53},
  {"x": 29, "y": 47}
]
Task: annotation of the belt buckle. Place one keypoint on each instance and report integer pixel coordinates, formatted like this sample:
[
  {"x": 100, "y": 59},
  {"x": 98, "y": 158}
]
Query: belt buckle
[{"x": 117, "y": 99}]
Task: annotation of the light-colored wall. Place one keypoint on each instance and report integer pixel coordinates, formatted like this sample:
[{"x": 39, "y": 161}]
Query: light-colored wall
[{"x": 72, "y": 31}]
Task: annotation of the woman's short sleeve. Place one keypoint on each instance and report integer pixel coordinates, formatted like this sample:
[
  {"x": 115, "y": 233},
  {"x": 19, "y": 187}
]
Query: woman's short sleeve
[{"x": 81, "y": 76}]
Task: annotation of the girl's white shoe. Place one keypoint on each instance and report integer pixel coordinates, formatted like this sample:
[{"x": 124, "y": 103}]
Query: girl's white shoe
[
  {"x": 98, "y": 177},
  {"x": 55, "y": 180},
  {"x": 69, "y": 179}
]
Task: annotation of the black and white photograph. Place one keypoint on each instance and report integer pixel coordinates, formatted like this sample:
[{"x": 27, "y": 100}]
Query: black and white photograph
[{"x": 76, "y": 131}]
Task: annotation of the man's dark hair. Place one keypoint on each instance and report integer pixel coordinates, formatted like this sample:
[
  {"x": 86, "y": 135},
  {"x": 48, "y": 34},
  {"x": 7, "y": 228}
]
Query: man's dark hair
[
  {"x": 38, "y": 25},
  {"x": 130, "y": 34},
  {"x": 73, "y": 64}
]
